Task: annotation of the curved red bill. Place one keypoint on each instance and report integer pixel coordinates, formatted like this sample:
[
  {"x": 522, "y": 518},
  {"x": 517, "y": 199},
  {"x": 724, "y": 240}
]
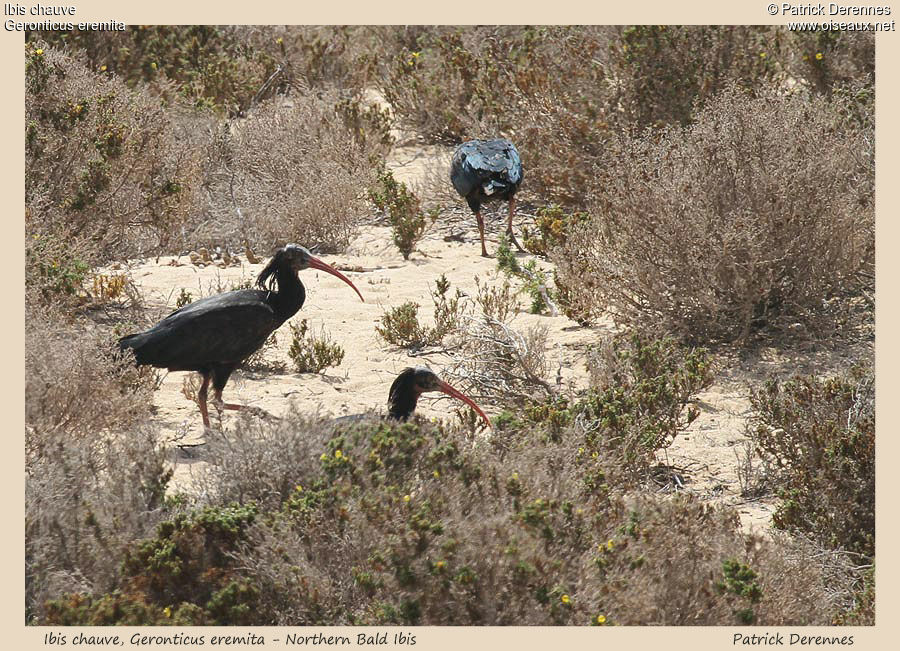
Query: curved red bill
[
  {"x": 453, "y": 393},
  {"x": 315, "y": 263}
]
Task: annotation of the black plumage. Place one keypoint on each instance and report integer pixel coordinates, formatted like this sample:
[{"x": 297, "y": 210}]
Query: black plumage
[
  {"x": 487, "y": 170},
  {"x": 412, "y": 383},
  {"x": 405, "y": 391},
  {"x": 214, "y": 335}
]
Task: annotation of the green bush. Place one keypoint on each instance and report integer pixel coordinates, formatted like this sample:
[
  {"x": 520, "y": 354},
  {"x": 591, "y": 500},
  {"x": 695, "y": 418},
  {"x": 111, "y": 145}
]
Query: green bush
[
  {"x": 637, "y": 405},
  {"x": 402, "y": 208},
  {"x": 107, "y": 170},
  {"x": 534, "y": 279},
  {"x": 208, "y": 65},
  {"x": 400, "y": 325},
  {"x": 183, "y": 576},
  {"x": 818, "y": 436},
  {"x": 552, "y": 227},
  {"x": 313, "y": 354}
]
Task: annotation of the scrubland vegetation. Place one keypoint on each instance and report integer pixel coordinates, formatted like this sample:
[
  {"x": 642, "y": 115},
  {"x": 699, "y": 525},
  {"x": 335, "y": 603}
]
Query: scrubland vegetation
[{"x": 709, "y": 188}]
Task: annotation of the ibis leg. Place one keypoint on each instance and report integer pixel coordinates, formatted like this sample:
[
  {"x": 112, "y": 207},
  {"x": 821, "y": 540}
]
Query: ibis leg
[
  {"x": 201, "y": 400},
  {"x": 220, "y": 404},
  {"x": 509, "y": 226},
  {"x": 478, "y": 216}
]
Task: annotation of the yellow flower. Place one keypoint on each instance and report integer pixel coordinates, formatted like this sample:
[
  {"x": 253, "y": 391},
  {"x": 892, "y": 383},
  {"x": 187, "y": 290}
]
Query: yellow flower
[
  {"x": 39, "y": 51},
  {"x": 762, "y": 55},
  {"x": 580, "y": 451},
  {"x": 279, "y": 40},
  {"x": 406, "y": 498},
  {"x": 338, "y": 454},
  {"x": 565, "y": 599},
  {"x": 103, "y": 68},
  {"x": 167, "y": 611},
  {"x": 515, "y": 476},
  {"x": 416, "y": 55},
  {"x": 818, "y": 56},
  {"x": 153, "y": 65},
  {"x": 436, "y": 474},
  {"x": 440, "y": 565},
  {"x": 298, "y": 488},
  {"x": 610, "y": 545},
  {"x": 601, "y": 619},
  {"x": 323, "y": 457},
  {"x": 594, "y": 455}
]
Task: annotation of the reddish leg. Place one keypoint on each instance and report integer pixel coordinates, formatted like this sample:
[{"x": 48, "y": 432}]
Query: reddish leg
[
  {"x": 201, "y": 400},
  {"x": 484, "y": 252},
  {"x": 220, "y": 404},
  {"x": 509, "y": 226}
]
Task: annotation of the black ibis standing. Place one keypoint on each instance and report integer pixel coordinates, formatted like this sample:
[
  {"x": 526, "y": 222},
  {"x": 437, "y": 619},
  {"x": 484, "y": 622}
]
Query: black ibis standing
[
  {"x": 487, "y": 170},
  {"x": 214, "y": 335}
]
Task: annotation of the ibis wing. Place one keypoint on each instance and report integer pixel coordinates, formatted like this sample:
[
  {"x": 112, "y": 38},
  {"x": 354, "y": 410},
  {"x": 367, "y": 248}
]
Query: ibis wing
[
  {"x": 479, "y": 162},
  {"x": 220, "y": 329}
]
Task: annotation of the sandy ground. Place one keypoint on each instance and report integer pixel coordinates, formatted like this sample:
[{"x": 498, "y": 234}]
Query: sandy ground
[{"x": 706, "y": 454}]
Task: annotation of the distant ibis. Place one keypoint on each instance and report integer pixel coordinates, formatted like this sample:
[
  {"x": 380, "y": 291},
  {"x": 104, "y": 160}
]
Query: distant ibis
[
  {"x": 214, "y": 335},
  {"x": 487, "y": 170}
]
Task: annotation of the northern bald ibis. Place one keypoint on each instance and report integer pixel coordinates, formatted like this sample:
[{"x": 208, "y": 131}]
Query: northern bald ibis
[
  {"x": 214, "y": 335},
  {"x": 487, "y": 170}
]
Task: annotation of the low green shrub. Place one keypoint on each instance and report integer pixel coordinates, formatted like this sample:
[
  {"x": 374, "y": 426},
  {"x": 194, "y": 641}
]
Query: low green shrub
[
  {"x": 400, "y": 326},
  {"x": 311, "y": 353},
  {"x": 818, "y": 436},
  {"x": 402, "y": 208}
]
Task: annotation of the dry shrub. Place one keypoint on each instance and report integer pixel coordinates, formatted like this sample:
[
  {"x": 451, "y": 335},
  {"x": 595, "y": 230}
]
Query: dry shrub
[
  {"x": 759, "y": 211},
  {"x": 95, "y": 475},
  {"x": 207, "y": 64},
  {"x": 290, "y": 172},
  {"x": 496, "y": 362},
  {"x": 305, "y": 522},
  {"x": 324, "y": 56},
  {"x": 682, "y": 562},
  {"x": 105, "y": 166},
  {"x": 74, "y": 382},
  {"x": 661, "y": 71},
  {"x": 818, "y": 438},
  {"x": 87, "y": 498},
  {"x": 231, "y": 68},
  {"x": 543, "y": 87},
  {"x": 262, "y": 462},
  {"x": 560, "y": 92},
  {"x": 834, "y": 59},
  {"x": 409, "y": 524}
]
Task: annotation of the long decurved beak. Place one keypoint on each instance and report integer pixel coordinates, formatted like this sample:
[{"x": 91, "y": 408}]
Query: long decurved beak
[
  {"x": 453, "y": 393},
  {"x": 315, "y": 263}
]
